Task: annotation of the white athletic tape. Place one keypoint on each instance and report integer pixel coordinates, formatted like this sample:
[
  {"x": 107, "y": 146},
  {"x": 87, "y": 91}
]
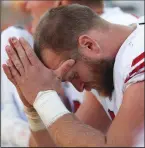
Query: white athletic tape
[
  {"x": 49, "y": 107},
  {"x": 34, "y": 120}
]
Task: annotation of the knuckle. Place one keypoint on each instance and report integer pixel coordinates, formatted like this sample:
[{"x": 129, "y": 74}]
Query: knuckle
[
  {"x": 11, "y": 53},
  {"x": 14, "y": 73},
  {"x": 17, "y": 45},
  {"x": 18, "y": 66},
  {"x": 30, "y": 53},
  {"x": 15, "y": 42}
]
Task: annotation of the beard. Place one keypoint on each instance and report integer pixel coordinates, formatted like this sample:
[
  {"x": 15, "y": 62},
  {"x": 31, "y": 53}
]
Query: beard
[{"x": 102, "y": 75}]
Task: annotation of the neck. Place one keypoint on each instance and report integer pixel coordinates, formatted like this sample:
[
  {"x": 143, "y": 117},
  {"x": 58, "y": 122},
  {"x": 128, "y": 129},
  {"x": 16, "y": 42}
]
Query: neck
[{"x": 114, "y": 38}]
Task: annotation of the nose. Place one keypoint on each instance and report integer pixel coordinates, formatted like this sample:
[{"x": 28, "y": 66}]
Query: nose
[{"x": 78, "y": 85}]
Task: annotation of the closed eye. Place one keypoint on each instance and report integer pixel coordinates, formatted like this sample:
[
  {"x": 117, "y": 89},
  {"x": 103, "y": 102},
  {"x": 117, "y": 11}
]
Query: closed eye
[{"x": 73, "y": 76}]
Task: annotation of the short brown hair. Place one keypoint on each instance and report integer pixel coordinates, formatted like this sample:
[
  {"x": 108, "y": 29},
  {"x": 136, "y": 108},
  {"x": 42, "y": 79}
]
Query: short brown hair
[{"x": 60, "y": 28}]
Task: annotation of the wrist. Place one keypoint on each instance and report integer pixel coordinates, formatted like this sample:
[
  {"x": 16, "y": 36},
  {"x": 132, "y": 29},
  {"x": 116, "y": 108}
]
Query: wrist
[
  {"x": 34, "y": 120},
  {"x": 49, "y": 107},
  {"x": 25, "y": 102}
]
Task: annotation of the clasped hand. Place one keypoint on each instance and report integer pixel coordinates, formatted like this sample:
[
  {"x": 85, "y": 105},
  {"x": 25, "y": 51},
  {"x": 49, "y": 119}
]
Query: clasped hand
[{"x": 26, "y": 71}]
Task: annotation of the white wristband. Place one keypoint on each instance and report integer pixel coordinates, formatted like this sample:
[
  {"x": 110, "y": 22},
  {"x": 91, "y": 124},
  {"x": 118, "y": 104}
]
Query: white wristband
[
  {"x": 49, "y": 106},
  {"x": 34, "y": 120}
]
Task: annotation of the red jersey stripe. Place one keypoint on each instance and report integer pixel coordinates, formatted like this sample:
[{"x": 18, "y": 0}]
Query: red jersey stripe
[
  {"x": 142, "y": 65},
  {"x": 137, "y": 59},
  {"x": 128, "y": 78},
  {"x": 135, "y": 16},
  {"x": 76, "y": 105},
  {"x": 111, "y": 113}
]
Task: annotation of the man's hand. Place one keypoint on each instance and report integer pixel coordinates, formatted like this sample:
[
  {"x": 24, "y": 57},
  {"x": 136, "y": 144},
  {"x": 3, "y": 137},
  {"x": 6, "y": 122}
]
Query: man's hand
[{"x": 29, "y": 73}]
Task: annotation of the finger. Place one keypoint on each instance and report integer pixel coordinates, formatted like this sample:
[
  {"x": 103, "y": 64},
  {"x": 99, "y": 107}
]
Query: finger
[
  {"x": 8, "y": 73},
  {"x": 13, "y": 70},
  {"x": 15, "y": 59},
  {"x": 64, "y": 68},
  {"x": 11, "y": 44},
  {"x": 29, "y": 52},
  {"x": 15, "y": 74},
  {"x": 20, "y": 51}
]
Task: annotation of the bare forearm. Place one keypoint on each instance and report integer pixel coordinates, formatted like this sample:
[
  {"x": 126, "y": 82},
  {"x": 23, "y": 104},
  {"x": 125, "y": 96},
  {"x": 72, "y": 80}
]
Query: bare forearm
[
  {"x": 92, "y": 113},
  {"x": 41, "y": 139},
  {"x": 69, "y": 131},
  {"x": 39, "y": 134}
]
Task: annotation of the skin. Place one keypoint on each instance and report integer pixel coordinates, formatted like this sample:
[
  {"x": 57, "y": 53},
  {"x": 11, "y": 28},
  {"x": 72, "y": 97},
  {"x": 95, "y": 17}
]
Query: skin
[
  {"x": 92, "y": 113},
  {"x": 28, "y": 70}
]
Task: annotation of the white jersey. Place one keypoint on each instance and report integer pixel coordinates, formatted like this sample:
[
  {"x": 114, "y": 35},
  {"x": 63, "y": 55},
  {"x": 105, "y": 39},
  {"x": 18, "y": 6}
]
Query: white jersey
[
  {"x": 117, "y": 16},
  {"x": 141, "y": 20},
  {"x": 129, "y": 68},
  {"x": 14, "y": 128},
  {"x": 75, "y": 97},
  {"x": 129, "y": 64}
]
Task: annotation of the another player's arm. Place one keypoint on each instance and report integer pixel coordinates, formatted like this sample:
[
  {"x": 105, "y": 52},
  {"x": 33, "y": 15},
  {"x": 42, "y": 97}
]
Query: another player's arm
[
  {"x": 69, "y": 131},
  {"x": 92, "y": 113}
]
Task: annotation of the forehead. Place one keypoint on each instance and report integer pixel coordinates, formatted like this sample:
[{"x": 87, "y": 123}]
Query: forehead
[{"x": 51, "y": 59}]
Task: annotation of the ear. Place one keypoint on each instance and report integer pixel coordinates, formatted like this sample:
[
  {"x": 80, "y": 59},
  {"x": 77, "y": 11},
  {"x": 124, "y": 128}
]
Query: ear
[{"x": 88, "y": 46}]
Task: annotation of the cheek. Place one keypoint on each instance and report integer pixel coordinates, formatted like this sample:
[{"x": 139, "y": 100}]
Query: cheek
[{"x": 84, "y": 73}]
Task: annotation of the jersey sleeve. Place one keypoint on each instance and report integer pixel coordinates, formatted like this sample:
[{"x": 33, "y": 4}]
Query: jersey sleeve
[{"x": 136, "y": 72}]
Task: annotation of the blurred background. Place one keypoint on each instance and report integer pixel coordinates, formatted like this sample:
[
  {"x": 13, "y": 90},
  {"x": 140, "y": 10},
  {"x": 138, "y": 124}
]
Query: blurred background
[{"x": 13, "y": 12}]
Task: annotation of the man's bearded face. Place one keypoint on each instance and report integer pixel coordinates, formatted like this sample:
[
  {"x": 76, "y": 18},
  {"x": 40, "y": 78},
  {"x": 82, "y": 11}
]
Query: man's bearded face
[{"x": 86, "y": 73}]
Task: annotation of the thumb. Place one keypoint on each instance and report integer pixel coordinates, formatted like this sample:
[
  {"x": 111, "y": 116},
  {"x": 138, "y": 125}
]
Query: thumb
[{"x": 64, "y": 68}]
